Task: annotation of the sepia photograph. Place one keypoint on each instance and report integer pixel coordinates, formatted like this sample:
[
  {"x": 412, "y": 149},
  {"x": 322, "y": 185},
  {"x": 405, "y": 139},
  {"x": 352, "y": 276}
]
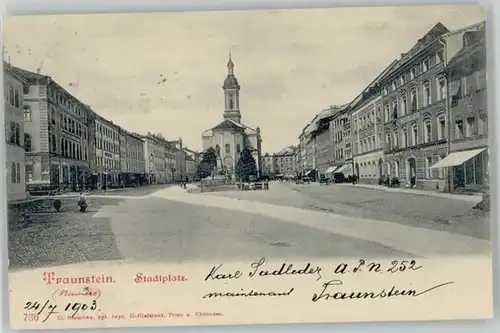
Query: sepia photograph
[{"x": 244, "y": 137}]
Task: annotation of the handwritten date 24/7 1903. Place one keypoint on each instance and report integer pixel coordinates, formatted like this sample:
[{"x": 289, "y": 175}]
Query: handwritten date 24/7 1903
[{"x": 34, "y": 310}]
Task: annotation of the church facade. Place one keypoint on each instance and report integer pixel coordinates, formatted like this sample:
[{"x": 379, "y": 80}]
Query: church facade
[{"x": 231, "y": 136}]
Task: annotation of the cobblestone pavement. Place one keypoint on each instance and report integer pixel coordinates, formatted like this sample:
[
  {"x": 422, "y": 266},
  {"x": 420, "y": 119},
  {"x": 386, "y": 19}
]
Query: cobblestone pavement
[
  {"x": 436, "y": 213},
  {"x": 67, "y": 237}
]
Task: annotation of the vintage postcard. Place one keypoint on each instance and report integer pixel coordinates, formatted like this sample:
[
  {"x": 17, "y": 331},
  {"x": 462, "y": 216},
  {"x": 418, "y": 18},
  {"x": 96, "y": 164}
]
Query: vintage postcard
[{"x": 247, "y": 167}]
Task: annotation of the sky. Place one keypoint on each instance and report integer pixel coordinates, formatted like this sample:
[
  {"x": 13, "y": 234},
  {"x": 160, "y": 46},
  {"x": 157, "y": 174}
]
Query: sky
[{"x": 291, "y": 64}]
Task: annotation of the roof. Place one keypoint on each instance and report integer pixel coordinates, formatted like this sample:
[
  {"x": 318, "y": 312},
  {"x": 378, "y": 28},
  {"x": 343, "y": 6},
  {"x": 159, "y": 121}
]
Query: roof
[
  {"x": 8, "y": 69},
  {"x": 289, "y": 150},
  {"x": 436, "y": 32},
  {"x": 466, "y": 54},
  {"x": 231, "y": 82},
  {"x": 228, "y": 124},
  {"x": 31, "y": 77}
]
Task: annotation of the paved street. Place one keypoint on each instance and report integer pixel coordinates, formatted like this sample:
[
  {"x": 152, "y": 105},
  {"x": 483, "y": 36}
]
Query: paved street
[{"x": 166, "y": 224}]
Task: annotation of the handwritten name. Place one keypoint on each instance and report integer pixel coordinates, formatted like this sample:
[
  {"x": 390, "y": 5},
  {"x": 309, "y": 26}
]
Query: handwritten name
[
  {"x": 257, "y": 270},
  {"x": 352, "y": 295}
]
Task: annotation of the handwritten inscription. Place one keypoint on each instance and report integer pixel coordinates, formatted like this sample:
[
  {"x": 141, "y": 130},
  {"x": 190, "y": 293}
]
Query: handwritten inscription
[
  {"x": 392, "y": 292},
  {"x": 34, "y": 310},
  {"x": 262, "y": 269}
]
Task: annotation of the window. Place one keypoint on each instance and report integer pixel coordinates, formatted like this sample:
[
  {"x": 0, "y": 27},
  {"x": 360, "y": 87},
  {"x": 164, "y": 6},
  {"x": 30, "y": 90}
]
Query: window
[
  {"x": 395, "y": 138},
  {"x": 13, "y": 173},
  {"x": 404, "y": 137},
  {"x": 396, "y": 169},
  {"x": 18, "y": 173},
  {"x": 29, "y": 173},
  {"x": 414, "y": 134},
  {"x": 27, "y": 113},
  {"x": 12, "y": 132},
  {"x": 387, "y": 112},
  {"x": 413, "y": 97},
  {"x": 403, "y": 104},
  {"x": 441, "y": 122},
  {"x": 394, "y": 85},
  {"x": 413, "y": 73},
  {"x": 18, "y": 135},
  {"x": 426, "y": 93},
  {"x": 238, "y": 148},
  {"x": 217, "y": 150},
  {"x": 395, "y": 109},
  {"x": 27, "y": 142},
  {"x": 459, "y": 129},
  {"x": 441, "y": 92},
  {"x": 471, "y": 127},
  {"x": 427, "y": 130},
  {"x": 439, "y": 56},
  {"x": 228, "y": 148},
  {"x": 428, "y": 164},
  {"x": 426, "y": 64},
  {"x": 230, "y": 103},
  {"x": 388, "y": 139},
  {"x": 402, "y": 80},
  {"x": 482, "y": 125}
]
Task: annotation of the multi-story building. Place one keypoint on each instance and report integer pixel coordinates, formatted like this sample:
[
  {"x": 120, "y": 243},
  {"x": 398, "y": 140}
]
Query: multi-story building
[
  {"x": 302, "y": 153},
  {"x": 339, "y": 126},
  {"x": 107, "y": 155},
  {"x": 414, "y": 110},
  {"x": 55, "y": 124},
  {"x": 267, "y": 165},
  {"x": 14, "y": 88},
  {"x": 466, "y": 73},
  {"x": 192, "y": 162},
  {"x": 367, "y": 136},
  {"x": 284, "y": 162},
  {"x": 347, "y": 168},
  {"x": 180, "y": 159},
  {"x": 324, "y": 140},
  {"x": 132, "y": 165},
  {"x": 156, "y": 159}
]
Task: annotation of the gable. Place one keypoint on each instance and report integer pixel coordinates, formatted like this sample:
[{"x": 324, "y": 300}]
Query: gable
[{"x": 227, "y": 125}]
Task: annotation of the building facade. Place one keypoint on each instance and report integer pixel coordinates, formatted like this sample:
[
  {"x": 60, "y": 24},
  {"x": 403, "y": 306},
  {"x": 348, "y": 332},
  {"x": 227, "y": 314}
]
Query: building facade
[
  {"x": 56, "y": 128},
  {"x": 132, "y": 164},
  {"x": 14, "y": 89},
  {"x": 267, "y": 165},
  {"x": 283, "y": 162},
  {"x": 466, "y": 73},
  {"x": 414, "y": 111},
  {"x": 107, "y": 155},
  {"x": 231, "y": 136}
]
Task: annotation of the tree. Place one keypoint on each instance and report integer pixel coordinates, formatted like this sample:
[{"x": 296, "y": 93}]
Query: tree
[
  {"x": 246, "y": 165},
  {"x": 207, "y": 164}
]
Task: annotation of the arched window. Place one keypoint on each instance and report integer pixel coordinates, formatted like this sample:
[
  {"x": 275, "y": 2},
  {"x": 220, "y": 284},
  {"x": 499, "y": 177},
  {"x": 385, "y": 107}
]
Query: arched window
[
  {"x": 228, "y": 148},
  {"x": 13, "y": 173},
  {"x": 231, "y": 103},
  {"x": 413, "y": 99},
  {"x": 427, "y": 130},
  {"x": 18, "y": 173},
  {"x": 414, "y": 134}
]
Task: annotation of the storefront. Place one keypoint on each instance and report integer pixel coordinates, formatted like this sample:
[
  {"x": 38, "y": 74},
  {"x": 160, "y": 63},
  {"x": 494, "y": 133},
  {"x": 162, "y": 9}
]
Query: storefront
[{"x": 469, "y": 169}]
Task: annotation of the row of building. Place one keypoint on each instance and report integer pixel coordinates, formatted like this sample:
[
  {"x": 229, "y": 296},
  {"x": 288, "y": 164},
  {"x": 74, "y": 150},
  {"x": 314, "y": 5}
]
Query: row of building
[
  {"x": 56, "y": 142},
  {"x": 423, "y": 120}
]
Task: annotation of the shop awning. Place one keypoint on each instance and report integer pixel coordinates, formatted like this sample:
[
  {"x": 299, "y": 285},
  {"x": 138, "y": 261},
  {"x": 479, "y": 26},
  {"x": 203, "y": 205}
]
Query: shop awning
[
  {"x": 345, "y": 169},
  {"x": 457, "y": 158},
  {"x": 331, "y": 169}
]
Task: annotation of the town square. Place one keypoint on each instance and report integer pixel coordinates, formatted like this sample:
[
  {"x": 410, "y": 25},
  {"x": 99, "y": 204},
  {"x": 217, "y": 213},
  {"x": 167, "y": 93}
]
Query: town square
[{"x": 233, "y": 150}]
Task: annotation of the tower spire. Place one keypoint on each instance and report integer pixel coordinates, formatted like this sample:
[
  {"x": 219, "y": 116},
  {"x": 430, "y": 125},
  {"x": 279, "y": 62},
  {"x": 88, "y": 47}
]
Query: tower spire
[{"x": 230, "y": 65}]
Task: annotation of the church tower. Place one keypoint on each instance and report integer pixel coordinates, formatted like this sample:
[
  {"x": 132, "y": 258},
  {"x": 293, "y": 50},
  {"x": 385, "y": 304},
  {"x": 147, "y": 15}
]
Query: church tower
[{"x": 231, "y": 94}]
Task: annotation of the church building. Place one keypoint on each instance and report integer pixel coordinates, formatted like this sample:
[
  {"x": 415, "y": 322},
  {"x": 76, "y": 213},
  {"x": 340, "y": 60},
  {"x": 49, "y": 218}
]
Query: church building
[{"x": 231, "y": 136}]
